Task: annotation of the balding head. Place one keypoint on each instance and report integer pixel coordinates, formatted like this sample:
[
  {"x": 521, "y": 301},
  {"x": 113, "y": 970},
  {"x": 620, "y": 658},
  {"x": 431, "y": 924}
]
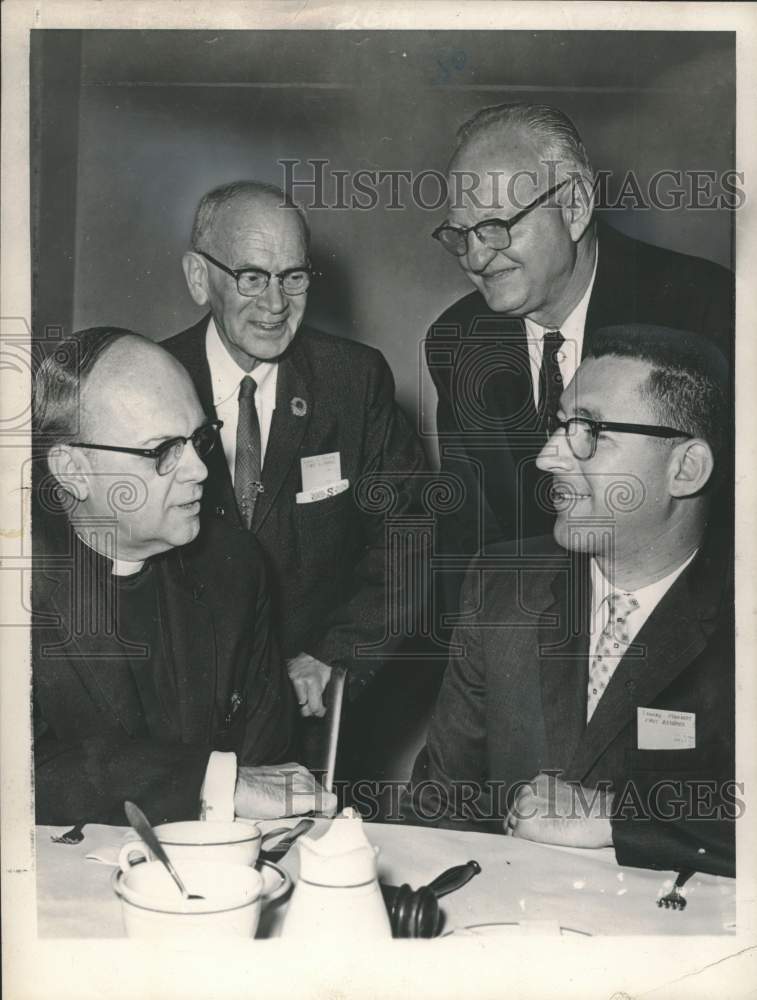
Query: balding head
[
  {"x": 525, "y": 166},
  {"x": 111, "y": 390},
  {"x": 214, "y": 217},
  {"x": 253, "y": 228}
]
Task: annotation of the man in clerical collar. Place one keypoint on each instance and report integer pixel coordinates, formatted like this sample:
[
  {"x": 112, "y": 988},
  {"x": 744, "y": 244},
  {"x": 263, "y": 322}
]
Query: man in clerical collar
[
  {"x": 591, "y": 703},
  {"x": 155, "y": 674}
]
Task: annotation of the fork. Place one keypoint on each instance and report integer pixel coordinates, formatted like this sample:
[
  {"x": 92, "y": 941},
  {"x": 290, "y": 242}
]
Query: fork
[
  {"x": 675, "y": 900},
  {"x": 73, "y": 836}
]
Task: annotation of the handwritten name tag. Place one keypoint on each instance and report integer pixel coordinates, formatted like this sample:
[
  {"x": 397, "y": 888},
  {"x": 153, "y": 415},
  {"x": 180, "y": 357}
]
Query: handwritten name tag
[
  {"x": 659, "y": 729},
  {"x": 320, "y": 470}
]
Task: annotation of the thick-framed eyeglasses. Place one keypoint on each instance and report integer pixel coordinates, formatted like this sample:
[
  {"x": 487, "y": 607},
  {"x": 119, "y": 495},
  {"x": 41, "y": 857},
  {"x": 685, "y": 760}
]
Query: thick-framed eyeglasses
[
  {"x": 167, "y": 455},
  {"x": 581, "y": 433},
  {"x": 253, "y": 281},
  {"x": 493, "y": 233}
]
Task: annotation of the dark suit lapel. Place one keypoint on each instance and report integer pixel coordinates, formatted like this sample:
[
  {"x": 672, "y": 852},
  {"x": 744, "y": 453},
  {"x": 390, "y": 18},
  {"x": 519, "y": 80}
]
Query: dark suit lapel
[
  {"x": 294, "y": 407},
  {"x": 615, "y": 296},
  {"x": 218, "y": 492},
  {"x": 672, "y": 637},
  {"x": 563, "y": 646},
  {"x": 498, "y": 362},
  {"x": 189, "y": 645}
]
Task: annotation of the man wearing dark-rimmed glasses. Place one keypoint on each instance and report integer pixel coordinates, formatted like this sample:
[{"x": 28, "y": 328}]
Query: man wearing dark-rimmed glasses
[
  {"x": 156, "y": 676},
  {"x": 521, "y": 226},
  {"x": 305, "y": 416},
  {"x": 592, "y": 701}
]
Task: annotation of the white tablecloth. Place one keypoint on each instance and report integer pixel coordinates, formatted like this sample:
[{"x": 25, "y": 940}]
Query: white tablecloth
[{"x": 540, "y": 888}]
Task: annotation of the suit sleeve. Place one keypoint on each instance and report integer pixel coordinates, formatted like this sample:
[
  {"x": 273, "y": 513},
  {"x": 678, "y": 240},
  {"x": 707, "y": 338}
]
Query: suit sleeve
[
  {"x": 87, "y": 781},
  {"x": 685, "y": 821},
  {"x": 269, "y": 736},
  {"x": 460, "y": 532},
  {"x": 449, "y": 784},
  {"x": 375, "y": 588}
]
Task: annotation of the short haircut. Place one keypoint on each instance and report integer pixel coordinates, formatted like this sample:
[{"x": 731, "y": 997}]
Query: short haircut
[
  {"x": 558, "y": 135},
  {"x": 211, "y": 202},
  {"x": 688, "y": 385},
  {"x": 60, "y": 379}
]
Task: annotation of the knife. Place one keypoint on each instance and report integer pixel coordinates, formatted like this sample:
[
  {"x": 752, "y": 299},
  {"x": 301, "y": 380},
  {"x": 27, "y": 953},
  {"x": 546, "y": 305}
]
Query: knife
[{"x": 279, "y": 850}]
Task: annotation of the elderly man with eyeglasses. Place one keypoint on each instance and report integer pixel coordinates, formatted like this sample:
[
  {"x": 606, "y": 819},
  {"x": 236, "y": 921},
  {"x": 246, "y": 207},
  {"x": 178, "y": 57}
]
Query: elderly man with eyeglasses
[
  {"x": 156, "y": 676},
  {"x": 312, "y": 439},
  {"x": 591, "y": 699},
  {"x": 521, "y": 226}
]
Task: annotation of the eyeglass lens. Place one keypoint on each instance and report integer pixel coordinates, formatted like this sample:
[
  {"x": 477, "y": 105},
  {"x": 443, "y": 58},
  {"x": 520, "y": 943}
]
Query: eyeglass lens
[
  {"x": 203, "y": 440},
  {"x": 495, "y": 235},
  {"x": 253, "y": 283}
]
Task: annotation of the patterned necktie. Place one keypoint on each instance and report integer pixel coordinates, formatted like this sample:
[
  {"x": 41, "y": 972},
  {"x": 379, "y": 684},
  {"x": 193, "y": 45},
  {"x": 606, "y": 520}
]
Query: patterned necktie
[
  {"x": 550, "y": 378},
  {"x": 612, "y": 644},
  {"x": 247, "y": 464}
]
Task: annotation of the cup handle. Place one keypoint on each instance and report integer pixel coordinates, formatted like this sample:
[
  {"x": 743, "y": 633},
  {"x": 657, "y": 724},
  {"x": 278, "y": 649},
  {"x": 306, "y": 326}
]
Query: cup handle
[
  {"x": 280, "y": 890},
  {"x": 129, "y": 850}
]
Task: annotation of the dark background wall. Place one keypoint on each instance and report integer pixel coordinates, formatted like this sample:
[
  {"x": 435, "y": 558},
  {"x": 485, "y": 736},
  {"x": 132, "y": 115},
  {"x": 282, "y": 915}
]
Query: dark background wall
[{"x": 159, "y": 117}]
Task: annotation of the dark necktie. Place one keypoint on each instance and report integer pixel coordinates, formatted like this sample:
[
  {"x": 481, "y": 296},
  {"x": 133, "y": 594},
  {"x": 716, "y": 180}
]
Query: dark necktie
[
  {"x": 247, "y": 464},
  {"x": 550, "y": 379}
]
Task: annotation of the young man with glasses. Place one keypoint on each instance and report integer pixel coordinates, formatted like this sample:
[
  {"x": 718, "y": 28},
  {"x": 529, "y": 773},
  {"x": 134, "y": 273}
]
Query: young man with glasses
[
  {"x": 305, "y": 417},
  {"x": 521, "y": 226},
  {"x": 156, "y": 677},
  {"x": 591, "y": 701}
]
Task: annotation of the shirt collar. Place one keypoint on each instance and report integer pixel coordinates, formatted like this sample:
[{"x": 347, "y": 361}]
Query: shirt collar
[
  {"x": 118, "y": 567},
  {"x": 225, "y": 373},
  {"x": 648, "y": 597}
]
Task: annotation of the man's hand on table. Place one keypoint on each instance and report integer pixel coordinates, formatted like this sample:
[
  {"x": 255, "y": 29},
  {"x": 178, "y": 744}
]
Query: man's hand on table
[
  {"x": 270, "y": 792},
  {"x": 309, "y": 677},
  {"x": 551, "y": 811}
]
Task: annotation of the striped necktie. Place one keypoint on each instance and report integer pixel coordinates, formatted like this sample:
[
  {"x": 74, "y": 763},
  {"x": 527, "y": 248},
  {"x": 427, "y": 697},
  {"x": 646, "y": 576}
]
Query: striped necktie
[
  {"x": 550, "y": 377},
  {"x": 247, "y": 464}
]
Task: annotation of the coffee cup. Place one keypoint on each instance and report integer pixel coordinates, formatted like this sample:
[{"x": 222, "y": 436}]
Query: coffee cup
[
  {"x": 152, "y": 905},
  {"x": 235, "y": 843}
]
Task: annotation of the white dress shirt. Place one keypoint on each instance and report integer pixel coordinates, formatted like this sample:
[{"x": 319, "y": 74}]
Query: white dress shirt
[
  {"x": 572, "y": 329},
  {"x": 225, "y": 377},
  {"x": 647, "y": 597}
]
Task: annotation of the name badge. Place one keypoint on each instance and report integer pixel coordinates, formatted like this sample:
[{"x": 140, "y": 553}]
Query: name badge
[
  {"x": 659, "y": 729},
  {"x": 320, "y": 470}
]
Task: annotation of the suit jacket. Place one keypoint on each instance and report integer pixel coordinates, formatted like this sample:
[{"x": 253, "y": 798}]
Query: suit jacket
[
  {"x": 514, "y": 704},
  {"x": 222, "y": 684},
  {"x": 489, "y": 431},
  {"x": 329, "y": 559}
]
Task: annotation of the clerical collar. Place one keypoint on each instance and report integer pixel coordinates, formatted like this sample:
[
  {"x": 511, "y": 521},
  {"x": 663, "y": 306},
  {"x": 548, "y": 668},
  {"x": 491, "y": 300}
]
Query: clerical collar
[{"x": 118, "y": 567}]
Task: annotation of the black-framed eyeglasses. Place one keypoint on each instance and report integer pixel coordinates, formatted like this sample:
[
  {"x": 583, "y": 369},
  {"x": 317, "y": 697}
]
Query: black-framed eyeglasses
[
  {"x": 581, "y": 433},
  {"x": 493, "y": 233},
  {"x": 167, "y": 455},
  {"x": 253, "y": 281}
]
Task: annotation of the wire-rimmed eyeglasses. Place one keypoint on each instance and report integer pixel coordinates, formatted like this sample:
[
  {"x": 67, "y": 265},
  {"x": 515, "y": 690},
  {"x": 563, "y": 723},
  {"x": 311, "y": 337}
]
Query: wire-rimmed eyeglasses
[
  {"x": 581, "y": 433},
  {"x": 493, "y": 233},
  {"x": 167, "y": 455},
  {"x": 253, "y": 281}
]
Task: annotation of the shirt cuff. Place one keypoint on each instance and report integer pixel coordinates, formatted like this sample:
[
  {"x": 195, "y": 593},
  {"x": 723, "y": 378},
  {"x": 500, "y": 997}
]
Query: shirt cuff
[{"x": 217, "y": 792}]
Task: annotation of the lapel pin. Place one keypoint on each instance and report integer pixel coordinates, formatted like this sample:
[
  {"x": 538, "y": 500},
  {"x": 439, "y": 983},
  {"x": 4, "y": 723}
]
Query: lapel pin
[{"x": 299, "y": 406}]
